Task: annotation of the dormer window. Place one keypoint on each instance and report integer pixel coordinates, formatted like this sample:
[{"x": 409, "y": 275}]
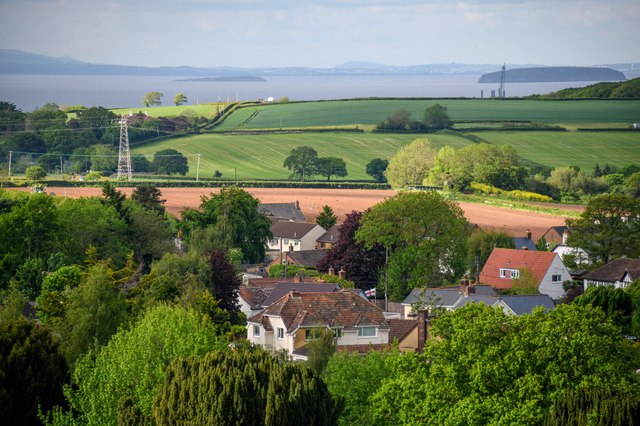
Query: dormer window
[{"x": 367, "y": 332}]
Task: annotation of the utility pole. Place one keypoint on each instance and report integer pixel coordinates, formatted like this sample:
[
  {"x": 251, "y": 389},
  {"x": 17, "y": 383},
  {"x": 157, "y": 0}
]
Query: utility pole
[
  {"x": 198, "y": 169},
  {"x": 61, "y": 168},
  {"x": 10, "y": 152},
  {"x": 124, "y": 155}
]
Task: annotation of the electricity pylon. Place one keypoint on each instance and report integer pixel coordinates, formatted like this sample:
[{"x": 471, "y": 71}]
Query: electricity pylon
[{"x": 124, "y": 156}]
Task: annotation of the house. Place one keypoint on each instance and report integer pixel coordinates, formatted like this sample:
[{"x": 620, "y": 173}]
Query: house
[
  {"x": 405, "y": 333},
  {"x": 618, "y": 273},
  {"x": 505, "y": 265},
  {"x": 293, "y": 236},
  {"x": 251, "y": 299},
  {"x": 283, "y": 288},
  {"x": 304, "y": 258},
  {"x": 556, "y": 235},
  {"x": 282, "y": 211},
  {"x": 329, "y": 238},
  {"x": 579, "y": 256},
  {"x": 288, "y": 324},
  {"x": 524, "y": 243}
]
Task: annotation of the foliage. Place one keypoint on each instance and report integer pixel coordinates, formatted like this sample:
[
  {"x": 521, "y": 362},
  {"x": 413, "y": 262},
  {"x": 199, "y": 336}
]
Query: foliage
[
  {"x": 180, "y": 99},
  {"x": 132, "y": 364},
  {"x": 28, "y": 277},
  {"x": 302, "y": 161},
  {"x": 321, "y": 347},
  {"x": 355, "y": 378},
  {"x": 224, "y": 283},
  {"x": 276, "y": 271},
  {"x": 361, "y": 264},
  {"x": 624, "y": 89},
  {"x": 331, "y": 166},
  {"x": 326, "y": 218},
  {"x": 601, "y": 407},
  {"x": 571, "y": 181},
  {"x": 32, "y": 371},
  {"x": 234, "y": 215},
  {"x": 35, "y": 174},
  {"x": 411, "y": 164},
  {"x": 426, "y": 236},
  {"x": 526, "y": 283},
  {"x": 481, "y": 244},
  {"x": 376, "y": 168},
  {"x": 607, "y": 228},
  {"x": 97, "y": 119},
  {"x": 148, "y": 196},
  {"x": 149, "y": 234},
  {"x": 242, "y": 388},
  {"x": 152, "y": 99},
  {"x": 485, "y": 367},
  {"x": 436, "y": 117},
  {"x": 616, "y": 303},
  {"x": 170, "y": 161},
  {"x": 104, "y": 158},
  {"x": 55, "y": 288},
  {"x": 513, "y": 194},
  {"x": 399, "y": 119}
]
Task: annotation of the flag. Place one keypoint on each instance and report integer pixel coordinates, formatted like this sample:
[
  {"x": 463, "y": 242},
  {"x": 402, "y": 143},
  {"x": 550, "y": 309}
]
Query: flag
[{"x": 370, "y": 293}]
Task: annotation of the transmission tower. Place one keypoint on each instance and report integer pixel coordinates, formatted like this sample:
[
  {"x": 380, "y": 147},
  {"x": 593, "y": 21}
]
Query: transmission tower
[
  {"x": 503, "y": 73},
  {"x": 124, "y": 156}
]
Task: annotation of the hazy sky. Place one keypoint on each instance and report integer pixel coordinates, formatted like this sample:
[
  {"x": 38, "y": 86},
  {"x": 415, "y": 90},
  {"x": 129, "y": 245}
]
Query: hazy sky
[{"x": 324, "y": 33}]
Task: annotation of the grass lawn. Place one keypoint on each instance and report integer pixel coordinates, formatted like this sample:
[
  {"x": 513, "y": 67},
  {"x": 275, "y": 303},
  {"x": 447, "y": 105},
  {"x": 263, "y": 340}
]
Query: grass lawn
[
  {"x": 203, "y": 110},
  {"x": 262, "y": 156}
]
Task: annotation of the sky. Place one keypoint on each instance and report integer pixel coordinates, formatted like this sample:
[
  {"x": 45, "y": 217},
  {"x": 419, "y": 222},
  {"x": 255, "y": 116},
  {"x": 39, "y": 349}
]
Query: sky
[{"x": 325, "y": 33}]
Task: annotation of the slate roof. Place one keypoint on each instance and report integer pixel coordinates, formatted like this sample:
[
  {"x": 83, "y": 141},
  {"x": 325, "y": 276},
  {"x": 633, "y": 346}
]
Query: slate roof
[
  {"x": 538, "y": 262},
  {"x": 524, "y": 243},
  {"x": 477, "y": 298},
  {"x": 447, "y": 298},
  {"x": 280, "y": 289},
  {"x": 307, "y": 258},
  {"x": 254, "y": 296},
  {"x": 526, "y": 303},
  {"x": 340, "y": 309},
  {"x": 291, "y": 230},
  {"x": 331, "y": 236},
  {"x": 286, "y": 211},
  {"x": 399, "y": 328},
  {"x": 615, "y": 270}
]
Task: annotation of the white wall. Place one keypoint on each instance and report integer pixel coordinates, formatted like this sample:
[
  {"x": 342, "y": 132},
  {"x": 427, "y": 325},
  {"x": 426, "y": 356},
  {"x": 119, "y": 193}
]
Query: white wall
[{"x": 554, "y": 289}]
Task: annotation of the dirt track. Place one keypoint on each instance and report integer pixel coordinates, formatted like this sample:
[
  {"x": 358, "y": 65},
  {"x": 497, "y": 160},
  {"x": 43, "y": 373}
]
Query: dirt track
[{"x": 343, "y": 201}]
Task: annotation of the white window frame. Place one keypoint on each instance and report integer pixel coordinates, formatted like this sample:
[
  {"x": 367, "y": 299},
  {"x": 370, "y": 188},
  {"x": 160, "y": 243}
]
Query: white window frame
[
  {"x": 554, "y": 276},
  {"x": 503, "y": 273},
  {"x": 362, "y": 329},
  {"x": 256, "y": 331},
  {"x": 515, "y": 273},
  {"x": 280, "y": 332}
]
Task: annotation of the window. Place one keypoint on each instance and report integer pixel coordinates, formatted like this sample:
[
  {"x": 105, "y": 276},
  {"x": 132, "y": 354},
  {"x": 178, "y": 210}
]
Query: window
[
  {"x": 280, "y": 333},
  {"x": 503, "y": 273},
  {"x": 337, "y": 333},
  {"x": 515, "y": 273},
  {"x": 509, "y": 273},
  {"x": 297, "y": 242},
  {"x": 556, "y": 278},
  {"x": 308, "y": 334},
  {"x": 367, "y": 332},
  {"x": 256, "y": 331}
]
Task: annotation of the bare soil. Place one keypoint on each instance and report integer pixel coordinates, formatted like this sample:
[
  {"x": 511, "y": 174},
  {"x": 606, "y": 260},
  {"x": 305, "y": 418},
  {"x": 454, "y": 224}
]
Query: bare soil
[{"x": 343, "y": 201}]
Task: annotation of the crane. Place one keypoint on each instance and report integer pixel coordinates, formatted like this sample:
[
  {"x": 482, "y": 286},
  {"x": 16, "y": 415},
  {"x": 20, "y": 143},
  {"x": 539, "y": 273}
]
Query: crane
[{"x": 501, "y": 93}]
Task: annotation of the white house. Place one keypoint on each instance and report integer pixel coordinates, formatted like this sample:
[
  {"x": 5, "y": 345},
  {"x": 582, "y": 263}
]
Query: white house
[
  {"x": 618, "y": 273},
  {"x": 294, "y": 236}
]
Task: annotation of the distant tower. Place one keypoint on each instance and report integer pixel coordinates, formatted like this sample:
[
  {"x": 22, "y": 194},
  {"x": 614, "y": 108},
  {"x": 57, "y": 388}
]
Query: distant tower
[
  {"x": 503, "y": 73},
  {"x": 124, "y": 156}
]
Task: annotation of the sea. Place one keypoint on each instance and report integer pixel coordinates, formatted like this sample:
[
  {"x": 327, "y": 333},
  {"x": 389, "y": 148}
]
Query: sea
[{"x": 29, "y": 92}]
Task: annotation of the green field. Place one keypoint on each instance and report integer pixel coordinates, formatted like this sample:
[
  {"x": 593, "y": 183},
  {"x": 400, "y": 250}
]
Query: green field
[
  {"x": 368, "y": 112},
  {"x": 262, "y": 156},
  {"x": 204, "y": 110}
]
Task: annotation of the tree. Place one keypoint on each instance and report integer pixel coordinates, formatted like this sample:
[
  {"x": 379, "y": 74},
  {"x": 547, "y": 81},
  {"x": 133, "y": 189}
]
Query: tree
[
  {"x": 569, "y": 180},
  {"x": 152, "y": 99},
  {"x": 321, "y": 347},
  {"x": 233, "y": 213},
  {"x": 425, "y": 234},
  {"x": 132, "y": 364},
  {"x": 398, "y": 120},
  {"x": 616, "y": 303},
  {"x": 32, "y": 372},
  {"x": 436, "y": 117},
  {"x": 148, "y": 196},
  {"x": 302, "y": 162},
  {"x": 526, "y": 283},
  {"x": 331, "y": 166},
  {"x": 243, "y": 388},
  {"x": 224, "y": 283},
  {"x": 376, "y": 168},
  {"x": 103, "y": 158},
  {"x": 361, "y": 264},
  {"x": 149, "y": 234},
  {"x": 97, "y": 119},
  {"x": 180, "y": 99},
  {"x": 410, "y": 165},
  {"x": 326, "y": 218},
  {"x": 170, "y": 161},
  {"x": 36, "y": 174},
  {"x": 607, "y": 228},
  {"x": 481, "y": 244}
]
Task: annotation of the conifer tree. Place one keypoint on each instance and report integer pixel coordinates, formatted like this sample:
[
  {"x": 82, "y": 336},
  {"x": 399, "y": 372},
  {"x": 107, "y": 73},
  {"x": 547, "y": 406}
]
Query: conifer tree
[{"x": 326, "y": 218}]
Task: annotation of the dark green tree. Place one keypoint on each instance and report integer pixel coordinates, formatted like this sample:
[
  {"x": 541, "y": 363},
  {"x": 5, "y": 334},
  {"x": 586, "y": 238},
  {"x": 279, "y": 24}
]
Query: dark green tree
[
  {"x": 616, "y": 303},
  {"x": 376, "y": 168},
  {"x": 180, "y": 99},
  {"x": 32, "y": 372},
  {"x": 595, "y": 406},
  {"x": 326, "y": 218},
  {"x": 321, "y": 347},
  {"x": 302, "y": 161},
  {"x": 481, "y": 244},
  {"x": 331, "y": 166},
  {"x": 397, "y": 120},
  {"x": 170, "y": 161},
  {"x": 11, "y": 117},
  {"x": 97, "y": 119},
  {"x": 148, "y": 196},
  {"x": 224, "y": 283},
  {"x": 436, "y": 117}
]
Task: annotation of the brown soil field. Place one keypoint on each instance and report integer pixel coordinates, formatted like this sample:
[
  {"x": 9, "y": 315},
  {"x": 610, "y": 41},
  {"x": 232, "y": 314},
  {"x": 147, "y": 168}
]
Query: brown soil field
[{"x": 343, "y": 201}]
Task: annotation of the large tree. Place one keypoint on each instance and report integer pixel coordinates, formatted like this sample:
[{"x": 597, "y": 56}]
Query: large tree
[
  {"x": 608, "y": 228},
  {"x": 436, "y": 117},
  {"x": 224, "y": 283},
  {"x": 331, "y": 166},
  {"x": 411, "y": 164},
  {"x": 376, "y": 168},
  {"x": 148, "y": 196},
  {"x": 481, "y": 244},
  {"x": 426, "y": 236},
  {"x": 152, "y": 99},
  {"x": 302, "y": 161},
  {"x": 326, "y": 218},
  {"x": 170, "y": 161},
  {"x": 180, "y": 99},
  {"x": 97, "y": 119}
]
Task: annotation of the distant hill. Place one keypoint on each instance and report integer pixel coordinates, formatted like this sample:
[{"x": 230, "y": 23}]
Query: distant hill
[
  {"x": 625, "y": 89},
  {"x": 554, "y": 74}
]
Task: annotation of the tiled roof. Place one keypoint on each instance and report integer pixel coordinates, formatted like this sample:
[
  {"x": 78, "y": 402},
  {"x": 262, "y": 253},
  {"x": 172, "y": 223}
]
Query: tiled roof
[
  {"x": 287, "y": 211},
  {"x": 331, "y": 236},
  {"x": 272, "y": 281},
  {"x": 538, "y": 262},
  {"x": 526, "y": 303},
  {"x": 399, "y": 328},
  {"x": 254, "y": 296},
  {"x": 307, "y": 258},
  {"x": 441, "y": 297},
  {"x": 340, "y": 309},
  {"x": 291, "y": 230},
  {"x": 476, "y": 298},
  {"x": 280, "y": 289},
  {"x": 615, "y": 270}
]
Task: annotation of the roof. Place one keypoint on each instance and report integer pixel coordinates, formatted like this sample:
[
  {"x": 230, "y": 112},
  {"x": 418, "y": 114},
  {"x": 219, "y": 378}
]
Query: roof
[
  {"x": 443, "y": 297},
  {"x": 538, "y": 262},
  {"x": 307, "y": 258},
  {"x": 254, "y": 296},
  {"x": 400, "y": 328},
  {"x": 331, "y": 236},
  {"x": 292, "y": 230},
  {"x": 287, "y": 211},
  {"x": 477, "y": 298},
  {"x": 526, "y": 303},
  {"x": 558, "y": 230},
  {"x": 339, "y": 309},
  {"x": 524, "y": 243},
  {"x": 615, "y": 270},
  {"x": 280, "y": 289}
]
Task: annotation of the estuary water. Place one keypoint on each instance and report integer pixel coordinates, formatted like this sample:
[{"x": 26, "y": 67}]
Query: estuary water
[{"x": 31, "y": 91}]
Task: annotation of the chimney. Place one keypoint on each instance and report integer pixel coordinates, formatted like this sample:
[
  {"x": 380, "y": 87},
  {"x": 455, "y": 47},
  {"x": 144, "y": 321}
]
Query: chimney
[
  {"x": 290, "y": 248},
  {"x": 464, "y": 285},
  {"x": 332, "y": 271},
  {"x": 294, "y": 294},
  {"x": 297, "y": 205},
  {"x": 565, "y": 235},
  {"x": 423, "y": 322},
  {"x": 297, "y": 278},
  {"x": 342, "y": 273},
  {"x": 528, "y": 234}
]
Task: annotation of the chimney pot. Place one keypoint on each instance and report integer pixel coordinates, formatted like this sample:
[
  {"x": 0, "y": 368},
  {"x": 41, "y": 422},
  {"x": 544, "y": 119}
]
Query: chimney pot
[
  {"x": 297, "y": 278},
  {"x": 565, "y": 235},
  {"x": 342, "y": 273},
  {"x": 332, "y": 271},
  {"x": 528, "y": 234}
]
